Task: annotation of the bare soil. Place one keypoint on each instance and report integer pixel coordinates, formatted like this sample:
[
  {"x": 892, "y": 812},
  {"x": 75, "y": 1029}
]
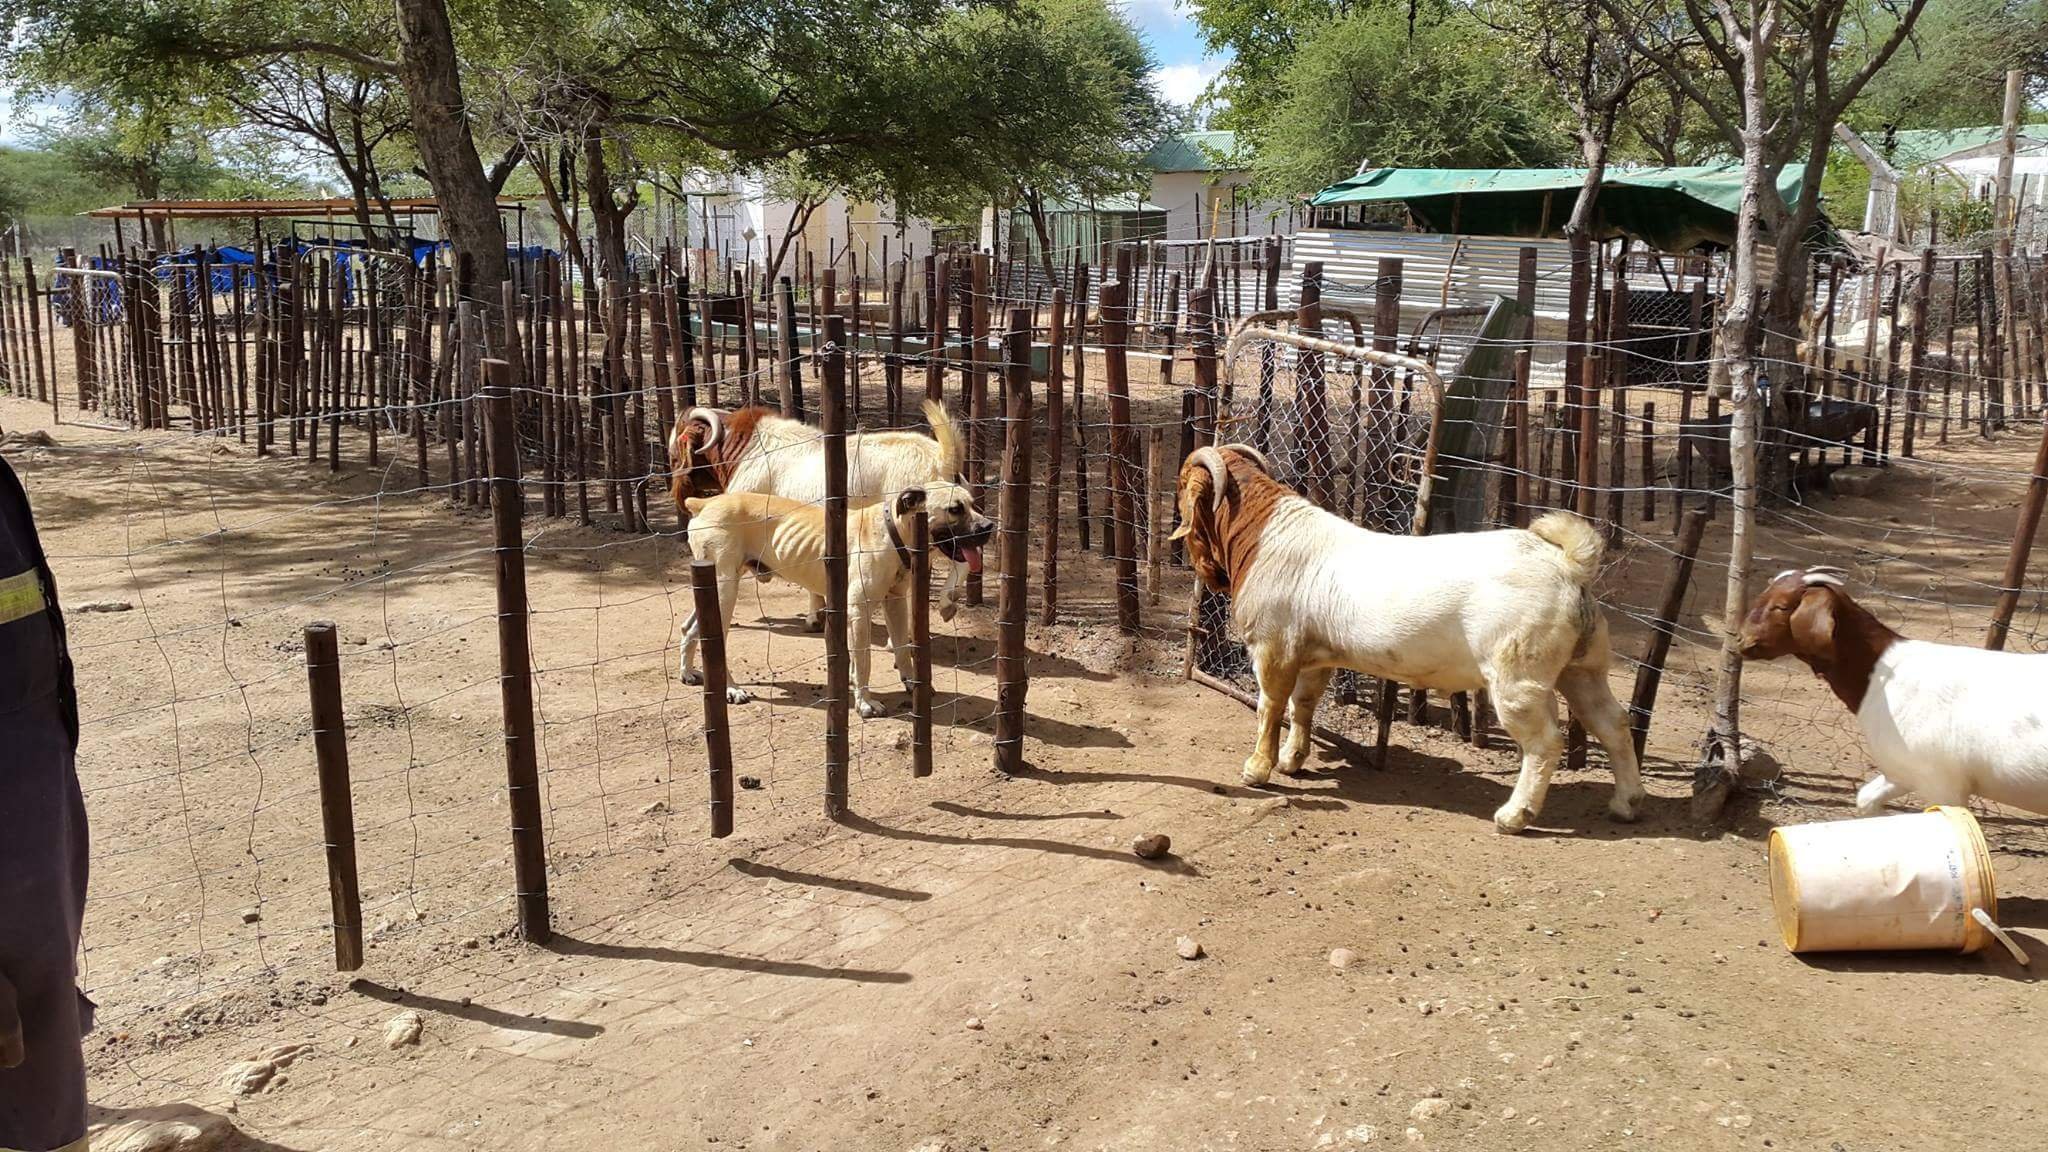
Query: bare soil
[{"x": 970, "y": 961}]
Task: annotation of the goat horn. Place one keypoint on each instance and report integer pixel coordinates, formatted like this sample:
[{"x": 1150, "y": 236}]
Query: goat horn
[
  {"x": 1219, "y": 473},
  {"x": 1814, "y": 577},
  {"x": 1257, "y": 457},
  {"x": 713, "y": 419},
  {"x": 1829, "y": 569}
]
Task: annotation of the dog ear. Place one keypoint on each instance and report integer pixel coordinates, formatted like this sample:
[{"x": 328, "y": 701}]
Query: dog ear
[{"x": 910, "y": 500}]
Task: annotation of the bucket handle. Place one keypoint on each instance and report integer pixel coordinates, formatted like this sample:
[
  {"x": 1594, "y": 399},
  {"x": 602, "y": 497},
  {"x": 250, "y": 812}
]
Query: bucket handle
[{"x": 2003, "y": 937}]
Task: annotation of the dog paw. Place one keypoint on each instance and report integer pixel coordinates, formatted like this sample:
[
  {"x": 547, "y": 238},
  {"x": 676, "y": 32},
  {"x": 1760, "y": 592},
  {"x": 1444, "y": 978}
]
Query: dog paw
[
  {"x": 1257, "y": 771},
  {"x": 870, "y": 709},
  {"x": 692, "y": 677},
  {"x": 814, "y": 623},
  {"x": 1511, "y": 819},
  {"x": 738, "y": 696},
  {"x": 1622, "y": 809}
]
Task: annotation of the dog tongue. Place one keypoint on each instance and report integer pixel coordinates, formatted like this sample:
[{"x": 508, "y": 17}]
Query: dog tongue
[{"x": 974, "y": 559}]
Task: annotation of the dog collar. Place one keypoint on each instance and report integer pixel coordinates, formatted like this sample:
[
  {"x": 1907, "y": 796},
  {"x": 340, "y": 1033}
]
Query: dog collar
[{"x": 896, "y": 540}]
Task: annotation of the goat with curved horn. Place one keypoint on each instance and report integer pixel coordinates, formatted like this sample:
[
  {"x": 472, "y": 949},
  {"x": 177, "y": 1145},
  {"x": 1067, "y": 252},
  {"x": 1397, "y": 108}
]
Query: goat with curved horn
[
  {"x": 1257, "y": 457},
  {"x": 713, "y": 421},
  {"x": 1219, "y": 472}
]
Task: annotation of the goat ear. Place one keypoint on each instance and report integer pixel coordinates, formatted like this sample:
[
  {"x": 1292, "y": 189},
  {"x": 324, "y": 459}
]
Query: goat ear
[
  {"x": 1714, "y": 624},
  {"x": 1813, "y": 622},
  {"x": 1181, "y": 533}
]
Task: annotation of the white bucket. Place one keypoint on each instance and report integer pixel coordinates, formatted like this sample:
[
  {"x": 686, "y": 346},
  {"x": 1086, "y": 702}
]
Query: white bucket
[{"x": 1916, "y": 881}]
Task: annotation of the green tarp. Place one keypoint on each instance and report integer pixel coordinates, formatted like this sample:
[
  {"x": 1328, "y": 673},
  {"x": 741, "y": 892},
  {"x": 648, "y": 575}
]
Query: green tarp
[{"x": 1671, "y": 209}]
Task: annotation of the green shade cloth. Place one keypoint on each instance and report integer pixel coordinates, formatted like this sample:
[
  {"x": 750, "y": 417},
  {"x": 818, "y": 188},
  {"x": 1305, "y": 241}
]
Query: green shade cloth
[{"x": 1671, "y": 209}]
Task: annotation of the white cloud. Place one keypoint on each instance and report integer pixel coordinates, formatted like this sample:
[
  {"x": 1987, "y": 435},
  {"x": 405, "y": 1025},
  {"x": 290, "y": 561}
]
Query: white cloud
[{"x": 1183, "y": 83}]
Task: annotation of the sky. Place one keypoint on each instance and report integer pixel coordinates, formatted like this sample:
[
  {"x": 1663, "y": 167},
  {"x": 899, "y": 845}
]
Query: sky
[{"x": 1169, "y": 26}]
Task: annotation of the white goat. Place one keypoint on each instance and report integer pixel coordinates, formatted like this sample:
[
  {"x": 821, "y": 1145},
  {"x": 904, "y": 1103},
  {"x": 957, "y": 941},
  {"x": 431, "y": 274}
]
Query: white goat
[
  {"x": 1942, "y": 721},
  {"x": 1508, "y": 611}
]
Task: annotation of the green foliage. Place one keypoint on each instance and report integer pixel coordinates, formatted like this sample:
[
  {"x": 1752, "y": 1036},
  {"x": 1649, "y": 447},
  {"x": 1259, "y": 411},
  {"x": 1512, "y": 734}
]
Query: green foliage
[
  {"x": 1951, "y": 73},
  {"x": 1261, "y": 37},
  {"x": 1360, "y": 89}
]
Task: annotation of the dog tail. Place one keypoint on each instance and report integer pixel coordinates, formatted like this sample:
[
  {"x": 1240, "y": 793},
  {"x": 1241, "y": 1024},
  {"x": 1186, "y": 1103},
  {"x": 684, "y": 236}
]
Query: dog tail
[{"x": 950, "y": 450}]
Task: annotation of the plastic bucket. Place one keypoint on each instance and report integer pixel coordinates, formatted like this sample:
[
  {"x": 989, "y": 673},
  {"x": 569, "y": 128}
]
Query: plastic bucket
[{"x": 1921, "y": 880}]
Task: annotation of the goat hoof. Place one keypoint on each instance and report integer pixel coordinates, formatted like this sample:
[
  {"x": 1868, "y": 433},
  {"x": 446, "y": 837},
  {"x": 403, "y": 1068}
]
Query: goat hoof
[
  {"x": 738, "y": 696},
  {"x": 692, "y": 677},
  {"x": 948, "y": 610},
  {"x": 1511, "y": 819}
]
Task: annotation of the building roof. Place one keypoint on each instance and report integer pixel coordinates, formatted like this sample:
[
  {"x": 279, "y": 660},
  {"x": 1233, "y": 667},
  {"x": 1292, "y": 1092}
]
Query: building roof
[
  {"x": 1917, "y": 147},
  {"x": 1098, "y": 205},
  {"x": 1673, "y": 209},
  {"x": 1196, "y": 152}
]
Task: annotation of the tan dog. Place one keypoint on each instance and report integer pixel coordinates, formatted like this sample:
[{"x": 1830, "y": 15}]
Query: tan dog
[{"x": 773, "y": 536}]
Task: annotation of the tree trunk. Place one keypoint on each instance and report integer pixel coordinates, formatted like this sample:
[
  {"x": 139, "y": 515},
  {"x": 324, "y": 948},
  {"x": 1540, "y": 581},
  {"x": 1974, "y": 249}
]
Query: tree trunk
[
  {"x": 1034, "y": 203},
  {"x": 440, "y": 130},
  {"x": 608, "y": 217},
  {"x": 1720, "y": 757}
]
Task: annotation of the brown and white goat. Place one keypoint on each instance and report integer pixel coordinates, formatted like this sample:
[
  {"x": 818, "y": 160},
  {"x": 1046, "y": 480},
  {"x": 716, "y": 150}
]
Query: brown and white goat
[
  {"x": 1942, "y": 721},
  {"x": 1509, "y": 611}
]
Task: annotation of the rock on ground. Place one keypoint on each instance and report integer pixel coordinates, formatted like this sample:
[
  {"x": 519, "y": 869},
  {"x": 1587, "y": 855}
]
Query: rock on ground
[
  {"x": 1188, "y": 947},
  {"x": 403, "y": 1029}
]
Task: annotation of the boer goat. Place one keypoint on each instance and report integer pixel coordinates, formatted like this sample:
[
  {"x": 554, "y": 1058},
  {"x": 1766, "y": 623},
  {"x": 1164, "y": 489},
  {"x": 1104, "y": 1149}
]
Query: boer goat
[
  {"x": 1508, "y": 611},
  {"x": 1942, "y": 721}
]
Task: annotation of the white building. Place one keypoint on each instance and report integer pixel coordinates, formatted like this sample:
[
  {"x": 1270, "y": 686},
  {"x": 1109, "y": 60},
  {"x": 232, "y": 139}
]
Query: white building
[
  {"x": 1202, "y": 180},
  {"x": 1963, "y": 159}
]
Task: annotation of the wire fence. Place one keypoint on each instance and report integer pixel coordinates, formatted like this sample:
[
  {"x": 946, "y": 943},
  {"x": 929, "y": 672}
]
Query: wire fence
[{"x": 215, "y": 486}]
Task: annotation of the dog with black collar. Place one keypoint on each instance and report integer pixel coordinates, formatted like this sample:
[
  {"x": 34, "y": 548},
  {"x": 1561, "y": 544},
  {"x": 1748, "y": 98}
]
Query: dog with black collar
[{"x": 771, "y": 537}]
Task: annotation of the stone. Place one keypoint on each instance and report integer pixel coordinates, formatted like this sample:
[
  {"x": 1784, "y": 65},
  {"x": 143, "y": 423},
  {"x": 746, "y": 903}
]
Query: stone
[
  {"x": 1429, "y": 1108},
  {"x": 655, "y": 809},
  {"x": 101, "y": 606},
  {"x": 750, "y": 783},
  {"x": 974, "y": 1024},
  {"x": 403, "y": 1029},
  {"x": 1342, "y": 958},
  {"x": 1414, "y": 1135},
  {"x": 251, "y": 916},
  {"x": 1855, "y": 480},
  {"x": 1188, "y": 947},
  {"x": 1507, "y": 1113},
  {"x": 247, "y": 1077},
  {"x": 1152, "y": 847}
]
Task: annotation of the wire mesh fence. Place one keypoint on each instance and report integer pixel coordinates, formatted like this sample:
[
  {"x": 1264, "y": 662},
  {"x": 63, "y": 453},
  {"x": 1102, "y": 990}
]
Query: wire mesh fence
[{"x": 308, "y": 454}]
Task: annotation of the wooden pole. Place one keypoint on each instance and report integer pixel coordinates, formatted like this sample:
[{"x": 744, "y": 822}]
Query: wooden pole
[
  {"x": 1122, "y": 450},
  {"x": 1690, "y": 528},
  {"x": 1013, "y": 671},
  {"x": 1156, "y": 486},
  {"x": 2022, "y": 546},
  {"x": 1916, "y": 369},
  {"x": 921, "y": 644},
  {"x": 717, "y": 729},
  {"x": 1312, "y": 459},
  {"x": 838, "y": 684},
  {"x": 515, "y": 676},
  {"x": 1055, "y": 434},
  {"x": 337, "y": 808}
]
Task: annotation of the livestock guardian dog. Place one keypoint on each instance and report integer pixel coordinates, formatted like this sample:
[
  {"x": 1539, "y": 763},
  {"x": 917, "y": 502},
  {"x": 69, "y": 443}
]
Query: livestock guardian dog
[
  {"x": 773, "y": 536},
  {"x": 1508, "y": 611},
  {"x": 755, "y": 450}
]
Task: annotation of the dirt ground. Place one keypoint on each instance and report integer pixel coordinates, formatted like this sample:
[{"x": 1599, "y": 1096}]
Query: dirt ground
[{"x": 970, "y": 961}]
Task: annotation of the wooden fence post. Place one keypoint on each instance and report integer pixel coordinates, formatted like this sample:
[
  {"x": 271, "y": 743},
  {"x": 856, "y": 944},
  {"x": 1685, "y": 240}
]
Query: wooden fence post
[
  {"x": 1691, "y": 525},
  {"x": 792, "y": 355},
  {"x": 1312, "y": 462},
  {"x": 515, "y": 676},
  {"x": 1156, "y": 486},
  {"x": 838, "y": 683},
  {"x": 337, "y": 807},
  {"x": 1013, "y": 670},
  {"x": 1055, "y": 415},
  {"x": 1916, "y": 367},
  {"x": 717, "y": 729},
  {"x": 921, "y": 644},
  {"x": 1117, "y": 388},
  {"x": 2022, "y": 546}
]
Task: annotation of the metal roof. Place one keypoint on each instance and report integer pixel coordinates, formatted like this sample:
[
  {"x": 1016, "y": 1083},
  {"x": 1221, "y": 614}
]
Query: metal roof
[{"x": 1197, "y": 152}]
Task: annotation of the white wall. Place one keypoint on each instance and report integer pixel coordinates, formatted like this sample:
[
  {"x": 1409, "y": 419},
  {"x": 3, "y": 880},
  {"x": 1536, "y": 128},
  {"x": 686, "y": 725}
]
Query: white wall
[{"x": 1180, "y": 192}]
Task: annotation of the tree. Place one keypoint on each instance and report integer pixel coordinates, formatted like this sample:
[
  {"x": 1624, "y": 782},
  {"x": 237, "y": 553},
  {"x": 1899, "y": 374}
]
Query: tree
[
  {"x": 1261, "y": 38},
  {"x": 1950, "y": 72},
  {"x": 1361, "y": 91}
]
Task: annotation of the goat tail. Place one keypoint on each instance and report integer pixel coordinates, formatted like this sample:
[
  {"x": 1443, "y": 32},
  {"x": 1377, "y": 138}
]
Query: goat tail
[
  {"x": 1580, "y": 546},
  {"x": 950, "y": 449}
]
